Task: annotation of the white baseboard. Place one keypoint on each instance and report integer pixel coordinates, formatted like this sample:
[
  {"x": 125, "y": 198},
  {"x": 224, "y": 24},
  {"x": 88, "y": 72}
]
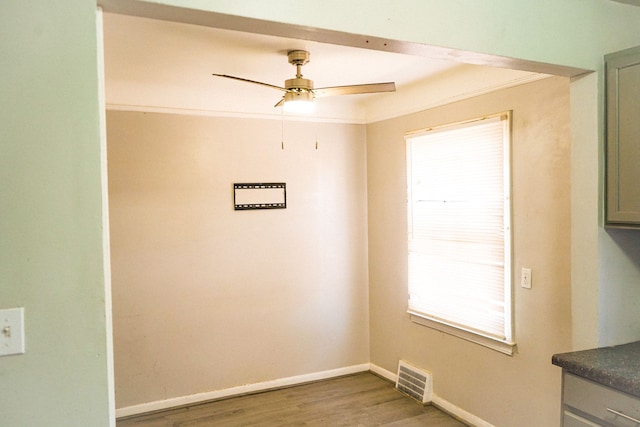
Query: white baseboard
[
  {"x": 236, "y": 391},
  {"x": 391, "y": 376},
  {"x": 438, "y": 401},
  {"x": 460, "y": 413}
]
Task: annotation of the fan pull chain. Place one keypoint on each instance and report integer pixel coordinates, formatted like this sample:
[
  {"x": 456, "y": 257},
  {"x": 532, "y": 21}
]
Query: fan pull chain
[
  {"x": 316, "y": 129},
  {"x": 282, "y": 128}
]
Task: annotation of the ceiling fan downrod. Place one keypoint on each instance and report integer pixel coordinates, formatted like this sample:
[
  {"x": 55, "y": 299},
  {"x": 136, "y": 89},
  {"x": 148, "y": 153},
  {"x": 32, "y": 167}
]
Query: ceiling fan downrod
[{"x": 298, "y": 58}]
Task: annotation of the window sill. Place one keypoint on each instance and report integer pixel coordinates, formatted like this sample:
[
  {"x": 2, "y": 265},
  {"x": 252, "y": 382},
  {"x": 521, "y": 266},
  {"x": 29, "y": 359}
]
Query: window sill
[{"x": 503, "y": 346}]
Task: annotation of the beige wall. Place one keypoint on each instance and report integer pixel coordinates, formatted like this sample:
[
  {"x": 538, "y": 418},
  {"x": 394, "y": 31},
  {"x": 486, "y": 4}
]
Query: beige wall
[
  {"x": 524, "y": 389},
  {"x": 207, "y": 298}
]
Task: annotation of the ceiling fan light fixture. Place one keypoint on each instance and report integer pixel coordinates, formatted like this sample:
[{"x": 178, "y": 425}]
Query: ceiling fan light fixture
[{"x": 298, "y": 102}]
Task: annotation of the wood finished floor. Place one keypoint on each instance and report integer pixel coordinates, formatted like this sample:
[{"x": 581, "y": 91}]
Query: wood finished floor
[{"x": 356, "y": 400}]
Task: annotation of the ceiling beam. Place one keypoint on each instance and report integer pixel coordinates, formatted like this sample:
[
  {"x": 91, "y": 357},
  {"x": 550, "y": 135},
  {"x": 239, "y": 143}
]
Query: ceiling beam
[
  {"x": 146, "y": 9},
  {"x": 631, "y": 2}
]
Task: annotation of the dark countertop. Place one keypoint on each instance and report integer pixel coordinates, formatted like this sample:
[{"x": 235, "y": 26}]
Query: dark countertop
[{"x": 617, "y": 367}]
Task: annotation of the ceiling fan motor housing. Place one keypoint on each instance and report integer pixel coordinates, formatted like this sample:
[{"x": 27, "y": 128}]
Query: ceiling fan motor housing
[{"x": 299, "y": 84}]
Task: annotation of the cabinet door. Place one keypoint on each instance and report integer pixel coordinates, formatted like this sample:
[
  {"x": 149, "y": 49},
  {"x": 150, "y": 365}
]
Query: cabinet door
[
  {"x": 570, "y": 419},
  {"x": 623, "y": 138},
  {"x": 598, "y": 402}
]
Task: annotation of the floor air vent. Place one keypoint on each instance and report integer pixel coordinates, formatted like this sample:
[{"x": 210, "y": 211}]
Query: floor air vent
[{"x": 414, "y": 382}]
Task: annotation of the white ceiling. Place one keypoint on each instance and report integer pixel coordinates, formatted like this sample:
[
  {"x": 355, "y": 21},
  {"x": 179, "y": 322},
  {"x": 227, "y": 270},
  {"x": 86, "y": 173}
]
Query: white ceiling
[{"x": 157, "y": 65}]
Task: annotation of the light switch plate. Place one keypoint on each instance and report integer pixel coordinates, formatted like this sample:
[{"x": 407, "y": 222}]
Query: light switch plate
[
  {"x": 525, "y": 278},
  {"x": 11, "y": 331}
]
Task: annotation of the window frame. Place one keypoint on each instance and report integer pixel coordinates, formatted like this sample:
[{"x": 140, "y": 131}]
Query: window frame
[{"x": 506, "y": 345}]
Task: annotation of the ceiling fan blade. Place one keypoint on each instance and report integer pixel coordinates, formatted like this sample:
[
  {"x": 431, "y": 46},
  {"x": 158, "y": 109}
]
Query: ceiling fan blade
[
  {"x": 250, "y": 81},
  {"x": 280, "y": 103},
  {"x": 355, "y": 89}
]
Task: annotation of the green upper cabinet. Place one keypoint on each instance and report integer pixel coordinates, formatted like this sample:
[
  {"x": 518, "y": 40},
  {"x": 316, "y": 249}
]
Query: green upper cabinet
[{"x": 623, "y": 139}]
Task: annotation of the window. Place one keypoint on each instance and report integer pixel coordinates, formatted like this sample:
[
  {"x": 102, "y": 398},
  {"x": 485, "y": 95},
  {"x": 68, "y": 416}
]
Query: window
[{"x": 459, "y": 237}]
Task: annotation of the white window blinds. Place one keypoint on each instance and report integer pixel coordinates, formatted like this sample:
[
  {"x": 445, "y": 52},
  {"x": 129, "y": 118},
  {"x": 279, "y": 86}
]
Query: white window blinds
[{"x": 458, "y": 226}]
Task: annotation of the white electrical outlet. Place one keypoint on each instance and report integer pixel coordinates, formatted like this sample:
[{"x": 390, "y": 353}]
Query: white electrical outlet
[
  {"x": 11, "y": 331},
  {"x": 525, "y": 278}
]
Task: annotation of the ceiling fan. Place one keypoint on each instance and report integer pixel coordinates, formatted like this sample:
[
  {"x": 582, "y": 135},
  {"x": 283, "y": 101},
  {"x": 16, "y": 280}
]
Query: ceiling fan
[{"x": 299, "y": 92}]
